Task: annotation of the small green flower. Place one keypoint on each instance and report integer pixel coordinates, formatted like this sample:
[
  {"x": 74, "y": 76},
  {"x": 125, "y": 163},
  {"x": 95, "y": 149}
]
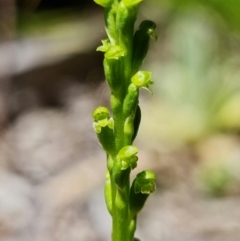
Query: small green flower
[
  {"x": 145, "y": 182},
  {"x": 141, "y": 188},
  {"x": 114, "y": 52},
  {"x": 105, "y": 46},
  {"x": 142, "y": 79},
  {"x": 128, "y": 157},
  {"x": 101, "y": 115},
  {"x": 103, "y": 126}
]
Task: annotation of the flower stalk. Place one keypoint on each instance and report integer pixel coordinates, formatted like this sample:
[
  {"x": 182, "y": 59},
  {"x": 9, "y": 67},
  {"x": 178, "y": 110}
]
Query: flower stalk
[{"x": 124, "y": 53}]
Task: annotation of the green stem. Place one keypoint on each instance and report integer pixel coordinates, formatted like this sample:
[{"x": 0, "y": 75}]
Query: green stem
[
  {"x": 121, "y": 215},
  {"x": 123, "y": 37},
  {"x": 120, "y": 195},
  {"x": 120, "y": 16},
  {"x": 132, "y": 227}
]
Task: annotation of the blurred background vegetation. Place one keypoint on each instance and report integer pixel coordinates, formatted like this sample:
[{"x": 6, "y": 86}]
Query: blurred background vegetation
[
  {"x": 195, "y": 65},
  {"x": 197, "y": 80}
]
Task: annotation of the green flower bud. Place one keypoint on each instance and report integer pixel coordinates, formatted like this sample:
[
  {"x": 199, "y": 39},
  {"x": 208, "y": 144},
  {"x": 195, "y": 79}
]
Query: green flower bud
[
  {"x": 142, "y": 79},
  {"x": 114, "y": 52},
  {"x": 129, "y": 107},
  {"x": 137, "y": 120},
  {"x": 129, "y": 128},
  {"x": 141, "y": 41},
  {"x": 149, "y": 27},
  {"x": 103, "y": 3},
  {"x": 108, "y": 193},
  {"x": 101, "y": 115},
  {"x": 145, "y": 182},
  {"x": 128, "y": 158},
  {"x": 131, "y": 3}
]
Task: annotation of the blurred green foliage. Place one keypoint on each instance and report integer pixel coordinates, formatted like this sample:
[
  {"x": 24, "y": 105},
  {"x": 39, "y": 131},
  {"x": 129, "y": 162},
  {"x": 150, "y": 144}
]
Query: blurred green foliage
[
  {"x": 215, "y": 178},
  {"x": 198, "y": 77},
  {"x": 197, "y": 83},
  {"x": 227, "y": 10},
  {"x": 46, "y": 22}
]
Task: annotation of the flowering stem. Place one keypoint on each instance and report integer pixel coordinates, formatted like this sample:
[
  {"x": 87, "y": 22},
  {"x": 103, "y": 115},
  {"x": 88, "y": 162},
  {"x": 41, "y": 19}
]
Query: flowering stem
[{"x": 124, "y": 53}]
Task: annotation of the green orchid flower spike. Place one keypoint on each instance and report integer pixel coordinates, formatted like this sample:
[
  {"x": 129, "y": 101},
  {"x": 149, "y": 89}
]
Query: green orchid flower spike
[{"x": 116, "y": 129}]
